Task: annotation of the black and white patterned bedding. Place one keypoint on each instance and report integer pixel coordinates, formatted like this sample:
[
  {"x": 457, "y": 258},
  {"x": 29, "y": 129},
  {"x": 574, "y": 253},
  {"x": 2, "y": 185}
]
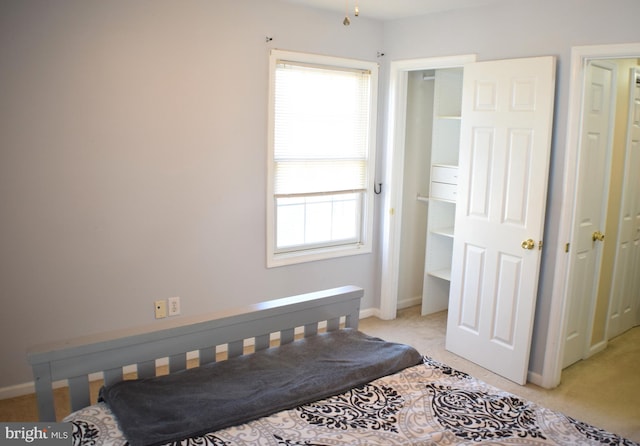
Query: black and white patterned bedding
[{"x": 427, "y": 404}]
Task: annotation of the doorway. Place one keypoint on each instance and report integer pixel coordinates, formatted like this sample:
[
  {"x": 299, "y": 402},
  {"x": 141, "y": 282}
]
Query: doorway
[
  {"x": 501, "y": 187},
  {"x": 587, "y": 246},
  {"x": 608, "y": 283},
  {"x": 431, "y": 152},
  {"x": 395, "y": 163},
  {"x": 599, "y": 310}
]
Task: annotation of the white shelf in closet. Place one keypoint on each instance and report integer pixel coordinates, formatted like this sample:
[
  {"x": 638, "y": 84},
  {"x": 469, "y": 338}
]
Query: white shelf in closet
[
  {"x": 444, "y": 274},
  {"x": 445, "y": 232},
  {"x": 447, "y": 106}
]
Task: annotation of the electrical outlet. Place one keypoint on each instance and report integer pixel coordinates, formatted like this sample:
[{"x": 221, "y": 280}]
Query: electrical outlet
[
  {"x": 174, "y": 306},
  {"x": 161, "y": 309}
]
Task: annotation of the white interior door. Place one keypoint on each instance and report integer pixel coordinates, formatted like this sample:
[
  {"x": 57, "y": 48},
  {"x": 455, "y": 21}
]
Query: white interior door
[
  {"x": 591, "y": 207},
  {"x": 504, "y": 155},
  {"x": 625, "y": 295}
]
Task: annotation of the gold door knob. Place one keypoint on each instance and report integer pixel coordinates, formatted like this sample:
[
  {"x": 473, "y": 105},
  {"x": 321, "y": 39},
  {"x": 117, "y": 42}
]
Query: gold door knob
[
  {"x": 528, "y": 244},
  {"x": 598, "y": 236}
]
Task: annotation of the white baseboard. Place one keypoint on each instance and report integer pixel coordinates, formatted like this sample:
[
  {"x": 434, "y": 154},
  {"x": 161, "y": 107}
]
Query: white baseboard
[
  {"x": 29, "y": 387},
  {"x": 596, "y": 348},
  {"x": 369, "y": 313},
  {"x": 535, "y": 378},
  {"x": 406, "y": 303},
  {"x": 17, "y": 390}
]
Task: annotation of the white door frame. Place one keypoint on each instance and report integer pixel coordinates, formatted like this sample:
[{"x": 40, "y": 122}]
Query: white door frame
[
  {"x": 394, "y": 174},
  {"x": 581, "y": 343},
  {"x": 626, "y": 186},
  {"x": 552, "y": 369}
]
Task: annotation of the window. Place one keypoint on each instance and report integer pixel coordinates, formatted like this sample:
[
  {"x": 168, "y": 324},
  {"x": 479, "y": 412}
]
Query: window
[{"x": 321, "y": 157}]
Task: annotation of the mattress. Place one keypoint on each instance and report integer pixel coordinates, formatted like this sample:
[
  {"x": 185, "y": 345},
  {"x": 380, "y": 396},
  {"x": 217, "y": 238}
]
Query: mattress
[{"x": 426, "y": 404}]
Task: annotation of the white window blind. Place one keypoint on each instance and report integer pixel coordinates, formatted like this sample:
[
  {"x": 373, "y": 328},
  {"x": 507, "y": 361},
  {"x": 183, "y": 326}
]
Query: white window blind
[
  {"x": 322, "y": 120},
  {"x": 321, "y": 129}
]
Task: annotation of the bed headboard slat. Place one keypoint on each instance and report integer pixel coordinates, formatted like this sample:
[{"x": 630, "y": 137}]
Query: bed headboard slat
[
  {"x": 352, "y": 320},
  {"x": 262, "y": 342},
  {"x": 310, "y": 330},
  {"x": 333, "y": 324},
  {"x": 235, "y": 348},
  {"x": 113, "y": 376},
  {"x": 207, "y": 355},
  {"x": 146, "y": 369},
  {"x": 79, "y": 392},
  {"x": 177, "y": 362},
  {"x": 174, "y": 338},
  {"x": 287, "y": 336}
]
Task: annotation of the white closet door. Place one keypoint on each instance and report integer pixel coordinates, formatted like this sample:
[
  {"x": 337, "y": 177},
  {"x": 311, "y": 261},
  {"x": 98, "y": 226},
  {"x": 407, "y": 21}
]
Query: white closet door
[
  {"x": 504, "y": 156},
  {"x": 625, "y": 295},
  {"x": 591, "y": 208}
]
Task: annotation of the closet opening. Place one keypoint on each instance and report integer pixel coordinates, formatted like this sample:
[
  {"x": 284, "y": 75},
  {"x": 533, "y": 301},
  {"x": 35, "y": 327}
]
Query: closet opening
[
  {"x": 409, "y": 158},
  {"x": 432, "y": 140}
]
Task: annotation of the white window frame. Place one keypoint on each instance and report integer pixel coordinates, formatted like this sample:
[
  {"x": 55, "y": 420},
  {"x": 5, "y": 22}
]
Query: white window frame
[{"x": 308, "y": 254}]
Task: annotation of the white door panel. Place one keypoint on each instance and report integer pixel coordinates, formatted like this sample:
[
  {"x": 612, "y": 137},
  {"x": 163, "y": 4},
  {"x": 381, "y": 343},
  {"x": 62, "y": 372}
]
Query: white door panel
[
  {"x": 590, "y": 219},
  {"x": 504, "y": 156},
  {"x": 625, "y": 295},
  {"x": 583, "y": 265}
]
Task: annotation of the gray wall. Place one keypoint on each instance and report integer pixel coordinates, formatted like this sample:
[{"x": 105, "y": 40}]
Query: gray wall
[
  {"x": 133, "y": 140},
  {"x": 133, "y": 143}
]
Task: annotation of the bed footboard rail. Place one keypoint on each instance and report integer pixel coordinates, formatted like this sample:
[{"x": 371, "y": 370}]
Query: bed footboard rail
[{"x": 110, "y": 353}]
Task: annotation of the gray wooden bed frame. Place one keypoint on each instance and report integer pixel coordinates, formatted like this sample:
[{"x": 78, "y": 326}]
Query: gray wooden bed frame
[{"x": 261, "y": 324}]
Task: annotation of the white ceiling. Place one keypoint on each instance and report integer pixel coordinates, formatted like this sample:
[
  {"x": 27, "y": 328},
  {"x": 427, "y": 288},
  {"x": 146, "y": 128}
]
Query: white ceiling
[{"x": 391, "y": 9}]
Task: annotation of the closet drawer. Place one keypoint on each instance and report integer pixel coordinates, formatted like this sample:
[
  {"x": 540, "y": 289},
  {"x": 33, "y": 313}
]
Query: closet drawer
[
  {"x": 444, "y": 174},
  {"x": 444, "y": 191}
]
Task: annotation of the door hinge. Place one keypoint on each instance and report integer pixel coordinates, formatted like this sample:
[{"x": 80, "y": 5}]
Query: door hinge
[{"x": 566, "y": 247}]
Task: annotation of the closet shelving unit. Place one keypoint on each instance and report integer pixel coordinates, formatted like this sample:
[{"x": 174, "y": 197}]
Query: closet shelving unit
[{"x": 447, "y": 106}]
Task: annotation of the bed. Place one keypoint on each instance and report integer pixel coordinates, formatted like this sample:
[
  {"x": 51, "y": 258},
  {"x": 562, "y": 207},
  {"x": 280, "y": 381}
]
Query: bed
[{"x": 290, "y": 371}]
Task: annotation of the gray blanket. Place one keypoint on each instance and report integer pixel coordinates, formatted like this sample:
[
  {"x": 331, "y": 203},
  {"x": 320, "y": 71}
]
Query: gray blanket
[{"x": 197, "y": 401}]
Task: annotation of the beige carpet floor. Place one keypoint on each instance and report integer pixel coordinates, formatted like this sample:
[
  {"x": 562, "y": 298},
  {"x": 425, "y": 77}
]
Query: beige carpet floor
[{"x": 603, "y": 390}]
